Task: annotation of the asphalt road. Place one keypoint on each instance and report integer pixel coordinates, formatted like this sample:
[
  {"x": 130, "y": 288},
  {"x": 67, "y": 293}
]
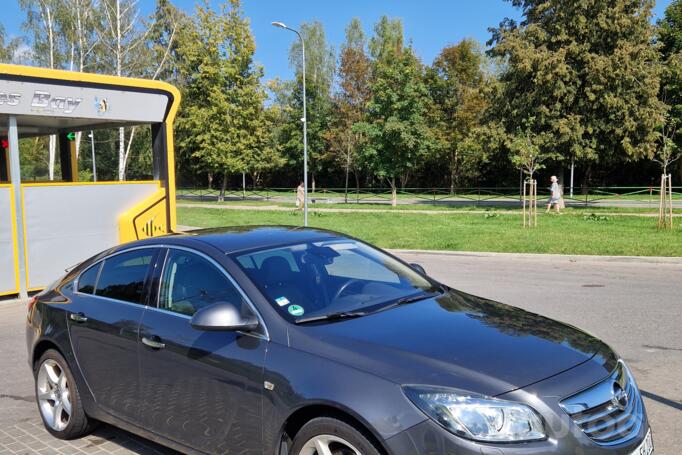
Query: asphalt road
[{"x": 634, "y": 306}]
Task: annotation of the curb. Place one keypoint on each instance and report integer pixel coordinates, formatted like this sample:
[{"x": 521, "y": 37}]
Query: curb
[{"x": 549, "y": 257}]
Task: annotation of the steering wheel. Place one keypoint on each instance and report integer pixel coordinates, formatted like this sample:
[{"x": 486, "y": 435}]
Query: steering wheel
[{"x": 345, "y": 286}]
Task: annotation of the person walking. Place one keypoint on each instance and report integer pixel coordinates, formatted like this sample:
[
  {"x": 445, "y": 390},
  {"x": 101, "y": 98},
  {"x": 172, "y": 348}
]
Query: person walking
[
  {"x": 555, "y": 195},
  {"x": 300, "y": 196}
]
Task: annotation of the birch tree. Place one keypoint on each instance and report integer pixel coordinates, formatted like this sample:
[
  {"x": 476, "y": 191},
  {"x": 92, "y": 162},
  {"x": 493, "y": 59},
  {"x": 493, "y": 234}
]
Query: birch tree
[
  {"x": 125, "y": 37},
  {"x": 8, "y": 47},
  {"x": 121, "y": 35},
  {"x": 41, "y": 22},
  {"x": 76, "y": 21}
]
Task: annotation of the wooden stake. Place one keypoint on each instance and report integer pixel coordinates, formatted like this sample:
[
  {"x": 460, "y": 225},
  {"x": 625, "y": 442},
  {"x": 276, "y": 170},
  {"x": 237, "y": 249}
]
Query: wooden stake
[
  {"x": 524, "y": 203},
  {"x": 670, "y": 198},
  {"x": 661, "y": 198},
  {"x": 535, "y": 202}
]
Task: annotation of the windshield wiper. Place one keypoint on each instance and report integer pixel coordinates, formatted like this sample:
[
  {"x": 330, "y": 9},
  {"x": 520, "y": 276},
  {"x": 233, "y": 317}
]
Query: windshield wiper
[
  {"x": 411, "y": 299},
  {"x": 357, "y": 314},
  {"x": 332, "y": 316}
]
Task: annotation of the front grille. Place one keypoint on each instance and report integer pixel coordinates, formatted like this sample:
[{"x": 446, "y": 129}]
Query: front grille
[{"x": 610, "y": 412}]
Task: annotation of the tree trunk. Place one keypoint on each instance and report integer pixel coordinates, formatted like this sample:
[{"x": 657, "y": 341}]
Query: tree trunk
[
  {"x": 221, "y": 196},
  {"x": 453, "y": 173},
  {"x": 312, "y": 178},
  {"x": 586, "y": 179},
  {"x": 79, "y": 134},
  {"x": 394, "y": 192},
  {"x": 121, "y": 153},
  {"x": 210, "y": 180},
  {"x": 403, "y": 180},
  {"x": 52, "y": 150}
]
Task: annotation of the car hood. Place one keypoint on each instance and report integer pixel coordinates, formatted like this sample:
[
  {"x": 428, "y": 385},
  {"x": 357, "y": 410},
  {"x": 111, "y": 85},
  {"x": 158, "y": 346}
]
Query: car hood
[{"x": 453, "y": 340}]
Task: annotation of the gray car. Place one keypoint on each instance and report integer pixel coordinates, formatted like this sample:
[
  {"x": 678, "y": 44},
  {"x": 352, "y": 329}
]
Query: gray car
[{"x": 278, "y": 340}]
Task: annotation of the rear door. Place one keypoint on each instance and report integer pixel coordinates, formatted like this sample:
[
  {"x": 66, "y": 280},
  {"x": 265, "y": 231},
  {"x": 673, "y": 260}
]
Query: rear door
[
  {"x": 106, "y": 310},
  {"x": 202, "y": 389}
]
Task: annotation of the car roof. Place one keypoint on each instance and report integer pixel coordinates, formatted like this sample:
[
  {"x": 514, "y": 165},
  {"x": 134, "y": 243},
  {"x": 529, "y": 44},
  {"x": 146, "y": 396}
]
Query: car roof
[{"x": 242, "y": 238}]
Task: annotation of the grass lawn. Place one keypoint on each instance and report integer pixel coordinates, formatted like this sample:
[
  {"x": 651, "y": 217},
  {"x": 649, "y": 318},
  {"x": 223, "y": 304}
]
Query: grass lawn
[{"x": 566, "y": 234}]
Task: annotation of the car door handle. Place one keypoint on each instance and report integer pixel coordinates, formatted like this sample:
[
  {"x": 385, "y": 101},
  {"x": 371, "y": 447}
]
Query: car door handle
[
  {"x": 78, "y": 317},
  {"x": 152, "y": 343}
]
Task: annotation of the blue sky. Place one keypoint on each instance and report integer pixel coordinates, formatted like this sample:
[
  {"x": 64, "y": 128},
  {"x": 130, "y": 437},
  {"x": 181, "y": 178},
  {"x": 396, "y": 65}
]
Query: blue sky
[{"x": 430, "y": 24}]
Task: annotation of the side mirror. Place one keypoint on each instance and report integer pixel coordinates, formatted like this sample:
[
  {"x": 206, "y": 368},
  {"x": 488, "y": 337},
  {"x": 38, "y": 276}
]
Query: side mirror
[
  {"x": 223, "y": 316},
  {"x": 418, "y": 268}
]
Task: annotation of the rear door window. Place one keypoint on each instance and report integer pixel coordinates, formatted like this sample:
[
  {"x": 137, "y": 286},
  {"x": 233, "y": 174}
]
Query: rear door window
[
  {"x": 123, "y": 275},
  {"x": 88, "y": 279}
]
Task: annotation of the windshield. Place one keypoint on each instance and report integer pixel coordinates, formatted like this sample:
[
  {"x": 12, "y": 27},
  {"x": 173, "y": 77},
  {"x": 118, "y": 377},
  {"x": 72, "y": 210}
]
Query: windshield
[{"x": 331, "y": 277}]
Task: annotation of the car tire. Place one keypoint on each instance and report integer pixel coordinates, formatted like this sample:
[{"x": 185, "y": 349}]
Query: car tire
[
  {"x": 340, "y": 437},
  {"x": 58, "y": 398}
]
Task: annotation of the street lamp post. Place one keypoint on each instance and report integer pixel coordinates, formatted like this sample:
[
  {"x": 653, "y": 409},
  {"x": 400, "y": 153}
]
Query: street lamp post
[{"x": 305, "y": 126}]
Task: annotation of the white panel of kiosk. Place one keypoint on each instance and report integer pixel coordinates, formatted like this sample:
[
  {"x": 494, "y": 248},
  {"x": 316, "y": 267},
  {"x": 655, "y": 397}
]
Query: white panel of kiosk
[
  {"x": 68, "y": 223},
  {"x": 8, "y": 272}
]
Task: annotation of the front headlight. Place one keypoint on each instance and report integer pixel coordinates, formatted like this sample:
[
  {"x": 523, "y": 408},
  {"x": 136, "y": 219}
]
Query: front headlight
[{"x": 478, "y": 417}]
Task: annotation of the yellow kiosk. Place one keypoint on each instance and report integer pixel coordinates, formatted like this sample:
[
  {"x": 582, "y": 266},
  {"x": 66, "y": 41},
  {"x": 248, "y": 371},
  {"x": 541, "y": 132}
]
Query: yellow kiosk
[{"x": 46, "y": 227}]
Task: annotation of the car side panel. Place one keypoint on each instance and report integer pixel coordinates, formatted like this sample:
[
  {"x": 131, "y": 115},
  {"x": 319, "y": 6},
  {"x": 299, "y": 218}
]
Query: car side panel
[{"x": 301, "y": 379}]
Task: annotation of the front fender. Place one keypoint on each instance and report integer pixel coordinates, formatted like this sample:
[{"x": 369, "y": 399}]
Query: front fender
[{"x": 300, "y": 379}]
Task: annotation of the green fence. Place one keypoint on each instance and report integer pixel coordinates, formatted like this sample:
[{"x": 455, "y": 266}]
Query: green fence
[{"x": 475, "y": 195}]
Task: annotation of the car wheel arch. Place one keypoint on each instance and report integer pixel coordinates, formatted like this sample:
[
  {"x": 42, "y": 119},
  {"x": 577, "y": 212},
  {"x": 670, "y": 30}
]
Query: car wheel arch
[
  {"x": 40, "y": 348},
  {"x": 304, "y": 414}
]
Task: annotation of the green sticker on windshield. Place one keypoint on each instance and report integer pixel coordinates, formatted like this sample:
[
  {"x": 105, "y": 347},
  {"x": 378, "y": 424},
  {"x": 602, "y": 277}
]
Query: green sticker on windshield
[{"x": 296, "y": 310}]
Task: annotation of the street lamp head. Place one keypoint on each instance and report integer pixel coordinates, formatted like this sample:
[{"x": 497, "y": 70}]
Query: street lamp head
[{"x": 279, "y": 24}]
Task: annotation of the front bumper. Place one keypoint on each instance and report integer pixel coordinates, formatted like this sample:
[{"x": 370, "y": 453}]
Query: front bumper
[{"x": 428, "y": 438}]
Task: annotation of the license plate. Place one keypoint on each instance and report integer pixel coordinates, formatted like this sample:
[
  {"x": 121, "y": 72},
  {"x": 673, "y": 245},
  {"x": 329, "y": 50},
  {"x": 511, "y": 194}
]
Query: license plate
[{"x": 646, "y": 447}]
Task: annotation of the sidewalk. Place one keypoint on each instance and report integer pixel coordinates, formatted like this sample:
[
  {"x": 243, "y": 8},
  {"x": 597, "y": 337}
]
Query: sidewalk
[{"x": 277, "y": 208}]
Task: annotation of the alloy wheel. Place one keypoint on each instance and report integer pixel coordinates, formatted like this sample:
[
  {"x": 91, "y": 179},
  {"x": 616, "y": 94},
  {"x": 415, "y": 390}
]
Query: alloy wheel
[
  {"x": 328, "y": 445},
  {"x": 54, "y": 397}
]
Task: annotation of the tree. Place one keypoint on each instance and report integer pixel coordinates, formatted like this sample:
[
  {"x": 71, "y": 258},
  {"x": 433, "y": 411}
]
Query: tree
[
  {"x": 124, "y": 36},
  {"x": 8, "y": 49},
  {"x": 76, "y": 25},
  {"x": 222, "y": 120},
  {"x": 525, "y": 150},
  {"x": 350, "y": 102},
  {"x": 670, "y": 41},
  {"x": 396, "y": 126},
  {"x": 387, "y": 39},
  {"x": 268, "y": 157},
  {"x": 457, "y": 85},
  {"x": 668, "y": 152},
  {"x": 161, "y": 42},
  {"x": 589, "y": 74},
  {"x": 320, "y": 65},
  {"x": 121, "y": 35},
  {"x": 670, "y": 29},
  {"x": 42, "y": 23}
]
